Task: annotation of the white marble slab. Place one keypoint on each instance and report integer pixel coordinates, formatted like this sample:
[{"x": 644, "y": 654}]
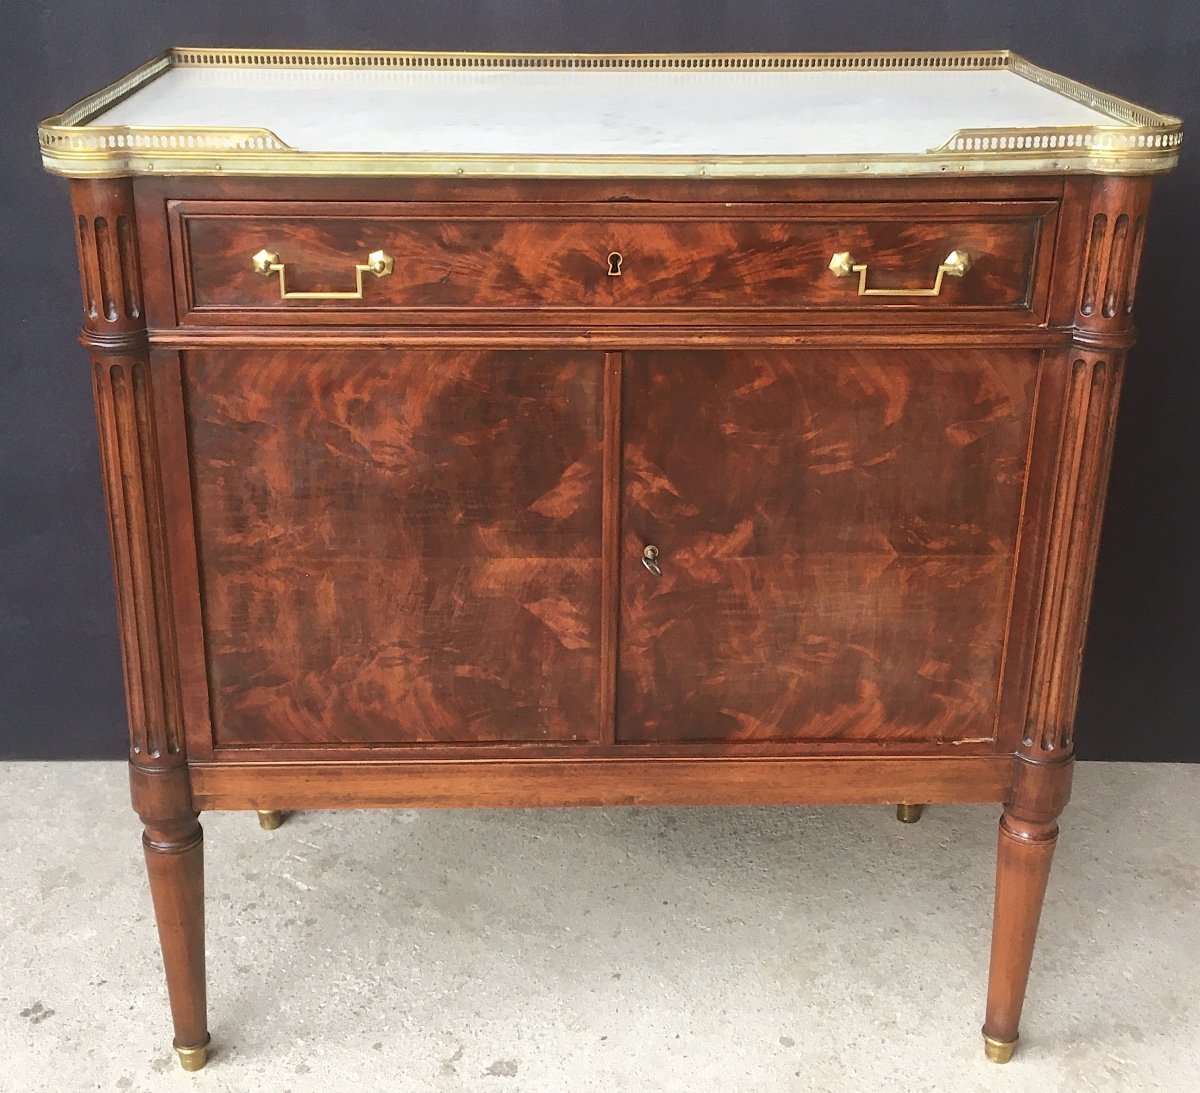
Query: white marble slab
[{"x": 614, "y": 112}]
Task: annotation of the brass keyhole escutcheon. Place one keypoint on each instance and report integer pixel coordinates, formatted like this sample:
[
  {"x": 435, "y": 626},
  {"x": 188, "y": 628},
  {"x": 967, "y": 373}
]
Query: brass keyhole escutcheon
[
  {"x": 614, "y": 263},
  {"x": 650, "y": 560}
]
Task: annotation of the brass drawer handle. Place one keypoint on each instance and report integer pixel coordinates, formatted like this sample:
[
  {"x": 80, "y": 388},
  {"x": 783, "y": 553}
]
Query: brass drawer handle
[
  {"x": 956, "y": 263},
  {"x": 650, "y": 560},
  {"x": 378, "y": 263}
]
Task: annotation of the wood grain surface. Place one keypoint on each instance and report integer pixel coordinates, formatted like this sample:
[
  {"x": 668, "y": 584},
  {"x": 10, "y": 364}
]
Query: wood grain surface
[
  {"x": 613, "y": 781},
  {"x": 399, "y": 546},
  {"x": 387, "y": 552},
  {"x": 682, "y": 258},
  {"x": 837, "y": 533}
]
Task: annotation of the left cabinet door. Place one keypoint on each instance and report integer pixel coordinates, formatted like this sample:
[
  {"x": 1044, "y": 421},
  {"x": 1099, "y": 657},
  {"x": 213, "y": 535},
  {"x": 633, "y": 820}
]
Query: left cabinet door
[{"x": 397, "y": 546}]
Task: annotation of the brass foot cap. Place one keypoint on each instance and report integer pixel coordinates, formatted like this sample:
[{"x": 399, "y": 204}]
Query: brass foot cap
[
  {"x": 909, "y": 814},
  {"x": 193, "y": 1058},
  {"x": 269, "y": 820},
  {"x": 998, "y": 1051}
]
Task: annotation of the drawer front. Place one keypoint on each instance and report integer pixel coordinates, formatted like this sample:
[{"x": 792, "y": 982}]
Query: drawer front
[{"x": 255, "y": 262}]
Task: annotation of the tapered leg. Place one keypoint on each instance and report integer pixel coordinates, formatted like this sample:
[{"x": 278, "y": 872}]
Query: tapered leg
[
  {"x": 175, "y": 862},
  {"x": 1022, "y": 870}
]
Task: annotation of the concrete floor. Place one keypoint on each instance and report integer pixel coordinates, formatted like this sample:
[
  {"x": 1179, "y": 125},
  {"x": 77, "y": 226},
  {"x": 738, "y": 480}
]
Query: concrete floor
[{"x": 736, "y": 950}]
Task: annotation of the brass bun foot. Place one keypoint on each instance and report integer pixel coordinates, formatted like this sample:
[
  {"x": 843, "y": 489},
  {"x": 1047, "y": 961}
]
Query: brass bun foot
[
  {"x": 193, "y": 1058},
  {"x": 909, "y": 814},
  {"x": 269, "y": 819},
  {"x": 998, "y": 1051}
]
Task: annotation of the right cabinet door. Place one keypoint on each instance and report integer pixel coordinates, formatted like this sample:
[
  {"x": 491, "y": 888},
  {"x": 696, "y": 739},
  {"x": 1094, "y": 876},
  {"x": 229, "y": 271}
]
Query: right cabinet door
[{"x": 836, "y": 534}]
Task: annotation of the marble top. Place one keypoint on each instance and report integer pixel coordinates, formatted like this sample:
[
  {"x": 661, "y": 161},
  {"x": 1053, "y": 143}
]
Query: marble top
[
  {"x": 753, "y": 115},
  {"x": 600, "y": 112}
]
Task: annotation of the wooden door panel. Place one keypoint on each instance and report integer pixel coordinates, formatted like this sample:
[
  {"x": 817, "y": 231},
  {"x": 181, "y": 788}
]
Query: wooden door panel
[
  {"x": 837, "y": 535},
  {"x": 398, "y": 547}
]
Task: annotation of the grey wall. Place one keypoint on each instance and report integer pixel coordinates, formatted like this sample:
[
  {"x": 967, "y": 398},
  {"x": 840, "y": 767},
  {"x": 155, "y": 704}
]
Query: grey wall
[{"x": 60, "y": 680}]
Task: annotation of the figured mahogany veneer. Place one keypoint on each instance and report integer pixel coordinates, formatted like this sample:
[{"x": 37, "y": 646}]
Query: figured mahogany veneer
[
  {"x": 838, "y": 534},
  {"x": 390, "y": 552},
  {"x": 456, "y": 263},
  {"x": 367, "y": 524}
]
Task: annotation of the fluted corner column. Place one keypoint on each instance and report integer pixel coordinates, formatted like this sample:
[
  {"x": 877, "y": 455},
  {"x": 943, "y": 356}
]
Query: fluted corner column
[
  {"x": 114, "y": 333},
  {"x": 1100, "y": 309}
]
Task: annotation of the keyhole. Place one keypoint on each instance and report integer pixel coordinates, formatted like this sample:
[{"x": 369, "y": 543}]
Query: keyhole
[{"x": 614, "y": 264}]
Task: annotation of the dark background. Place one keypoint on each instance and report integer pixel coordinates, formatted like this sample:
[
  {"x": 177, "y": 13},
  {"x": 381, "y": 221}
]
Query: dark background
[{"x": 60, "y": 678}]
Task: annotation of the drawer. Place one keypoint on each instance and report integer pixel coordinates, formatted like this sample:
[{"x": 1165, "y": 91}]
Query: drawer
[{"x": 260, "y": 262}]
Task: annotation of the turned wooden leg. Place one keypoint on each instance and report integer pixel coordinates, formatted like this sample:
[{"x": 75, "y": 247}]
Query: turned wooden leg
[
  {"x": 909, "y": 814},
  {"x": 1022, "y": 870},
  {"x": 269, "y": 819},
  {"x": 175, "y": 862}
]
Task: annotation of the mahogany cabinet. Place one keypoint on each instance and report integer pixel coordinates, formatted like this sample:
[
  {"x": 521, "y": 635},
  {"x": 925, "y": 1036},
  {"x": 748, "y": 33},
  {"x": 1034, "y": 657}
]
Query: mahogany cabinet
[{"x": 521, "y": 455}]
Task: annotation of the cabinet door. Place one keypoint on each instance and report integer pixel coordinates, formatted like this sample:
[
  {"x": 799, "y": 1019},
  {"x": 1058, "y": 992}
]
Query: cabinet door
[
  {"x": 836, "y": 534},
  {"x": 397, "y": 546}
]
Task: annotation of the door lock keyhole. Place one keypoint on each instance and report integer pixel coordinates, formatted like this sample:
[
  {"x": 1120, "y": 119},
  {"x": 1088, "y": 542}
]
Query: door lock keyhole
[{"x": 614, "y": 264}]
